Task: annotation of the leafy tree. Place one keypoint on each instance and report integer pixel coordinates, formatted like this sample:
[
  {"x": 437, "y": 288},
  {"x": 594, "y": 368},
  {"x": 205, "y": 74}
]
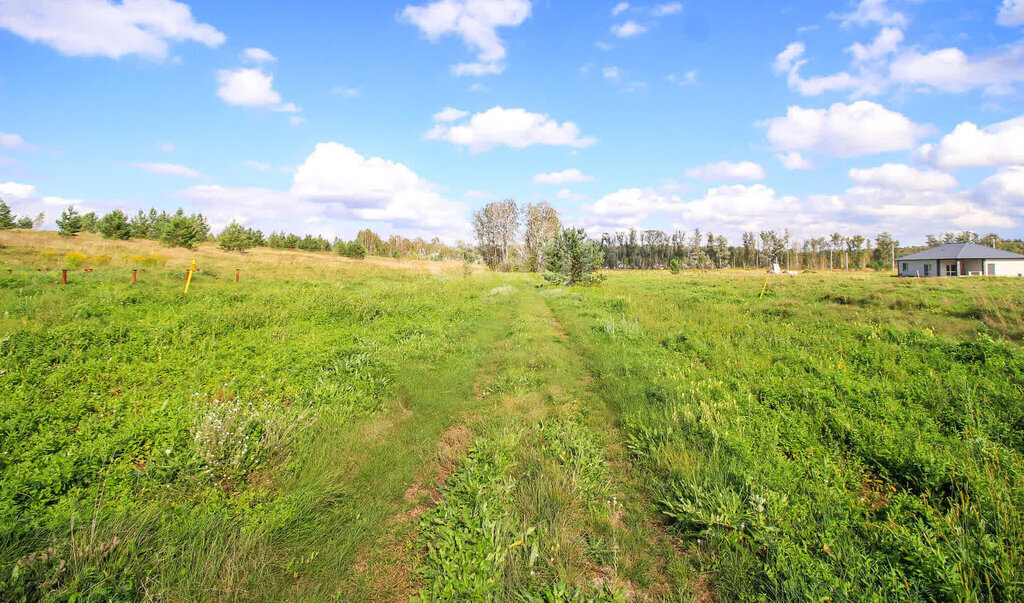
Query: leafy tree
[
  {"x": 572, "y": 259},
  {"x": 6, "y": 217},
  {"x": 496, "y": 226},
  {"x": 234, "y": 238},
  {"x": 542, "y": 224},
  {"x": 70, "y": 222},
  {"x": 355, "y": 250},
  {"x": 115, "y": 225},
  {"x": 24, "y": 222},
  {"x": 674, "y": 265}
]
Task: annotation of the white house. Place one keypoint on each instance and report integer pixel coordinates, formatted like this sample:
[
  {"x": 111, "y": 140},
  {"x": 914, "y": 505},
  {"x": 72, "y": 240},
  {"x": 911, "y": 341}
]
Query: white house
[{"x": 961, "y": 259}]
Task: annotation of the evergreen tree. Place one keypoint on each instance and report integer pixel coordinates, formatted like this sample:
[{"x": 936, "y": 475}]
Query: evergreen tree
[
  {"x": 90, "y": 222},
  {"x": 115, "y": 226},
  {"x": 70, "y": 222},
  {"x": 571, "y": 259},
  {"x": 24, "y": 222},
  {"x": 234, "y": 238},
  {"x": 6, "y": 217}
]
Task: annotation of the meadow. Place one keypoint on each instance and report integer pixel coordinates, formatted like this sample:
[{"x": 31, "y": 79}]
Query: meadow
[{"x": 335, "y": 429}]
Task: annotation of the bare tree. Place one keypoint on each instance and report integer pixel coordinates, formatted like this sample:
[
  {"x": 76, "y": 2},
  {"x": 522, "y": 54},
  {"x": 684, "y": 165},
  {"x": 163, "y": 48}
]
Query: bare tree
[{"x": 497, "y": 225}]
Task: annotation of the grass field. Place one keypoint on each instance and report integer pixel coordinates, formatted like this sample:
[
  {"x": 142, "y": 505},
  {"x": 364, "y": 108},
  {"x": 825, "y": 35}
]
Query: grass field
[{"x": 330, "y": 429}]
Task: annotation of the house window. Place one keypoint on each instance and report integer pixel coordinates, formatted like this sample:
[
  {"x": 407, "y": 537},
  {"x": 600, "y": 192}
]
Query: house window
[
  {"x": 991, "y": 269},
  {"x": 950, "y": 269},
  {"x": 927, "y": 269},
  {"x": 904, "y": 266}
]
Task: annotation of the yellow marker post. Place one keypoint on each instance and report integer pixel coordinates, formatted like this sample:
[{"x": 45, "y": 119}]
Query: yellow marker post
[
  {"x": 188, "y": 276},
  {"x": 763, "y": 289}
]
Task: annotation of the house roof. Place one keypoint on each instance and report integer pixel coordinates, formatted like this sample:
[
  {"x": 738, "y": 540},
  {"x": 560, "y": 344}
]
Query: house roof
[{"x": 963, "y": 251}]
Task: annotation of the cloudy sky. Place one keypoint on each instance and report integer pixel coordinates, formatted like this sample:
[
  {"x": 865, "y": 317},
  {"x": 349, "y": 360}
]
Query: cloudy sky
[{"x": 327, "y": 117}]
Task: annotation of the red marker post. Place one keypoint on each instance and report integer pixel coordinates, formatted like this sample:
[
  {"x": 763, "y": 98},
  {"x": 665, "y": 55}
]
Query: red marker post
[
  {"x": 238, "y": 274},
  {"x": 133, "y": 277},
  {"x": 63, "y": 277}
]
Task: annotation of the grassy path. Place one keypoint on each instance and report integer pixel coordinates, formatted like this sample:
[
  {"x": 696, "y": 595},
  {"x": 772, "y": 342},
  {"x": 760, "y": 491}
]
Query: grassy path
[{"x": 543, "y": 506}]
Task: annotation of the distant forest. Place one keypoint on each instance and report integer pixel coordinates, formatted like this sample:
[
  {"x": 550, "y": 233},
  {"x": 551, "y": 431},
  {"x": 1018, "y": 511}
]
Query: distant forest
[{"x": 513, "y": 237}]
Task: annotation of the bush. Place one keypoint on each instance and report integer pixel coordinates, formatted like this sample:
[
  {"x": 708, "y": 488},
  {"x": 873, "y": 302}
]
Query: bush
[
  {"x": 674, "y": 265},
  {"x": 115, "y": 226},
  {"x": 70, "y": 223}
]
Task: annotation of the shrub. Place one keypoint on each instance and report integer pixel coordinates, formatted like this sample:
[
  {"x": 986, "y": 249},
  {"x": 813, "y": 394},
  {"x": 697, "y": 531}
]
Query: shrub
[{"x": 572, "y": 259}]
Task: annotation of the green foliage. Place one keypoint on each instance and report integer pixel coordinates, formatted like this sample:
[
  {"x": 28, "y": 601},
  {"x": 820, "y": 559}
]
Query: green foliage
[
  {"x": 352, "y": 249},
  {"x": 26, "y": 222},
  {"x": 572, "y": 259},
  {"x": 180, "y": 230},
  {"x": 70, "y": 222},
  {"x": 235, "y": 237},
  {"x": 90, "y": 222},
  {"x": 675, "y": 266},
  {"x": 115, "y": 225},
  {"x": 826, "y": 443},
  {"x": 6, "y": 216}
]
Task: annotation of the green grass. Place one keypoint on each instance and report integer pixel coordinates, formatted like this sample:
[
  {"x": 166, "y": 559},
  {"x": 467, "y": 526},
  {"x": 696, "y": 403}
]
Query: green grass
[{"x": 334, "y": 430}]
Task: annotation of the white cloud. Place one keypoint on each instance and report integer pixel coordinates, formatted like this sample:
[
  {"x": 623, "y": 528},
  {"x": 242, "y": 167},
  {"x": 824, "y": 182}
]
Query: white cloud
[
  {"x": 449, "y": 114},
  {"x": 166, "y": 147},
  {"x": 726, "y": 170},
  {"x": 258, "y": 55},
  {"x": 739, "y": 203},
  {"x": 13, "y": 142},
  {"x": 252, "y": 88},
  {"x": 257, "y": 165},
  {"x": 620, "y": 8},
  {"x": 344, "y": 92},
  {"x": 1011, "y": 13},
  {"x": 887, "y": 41},
  {"x": 56, "y": 201},
  {"x": 16, "y": 190},
  {"x": 952, "y": 70},
  {"x": 1003, "y": 191},
  {"x": 669, "y": 8},
  {"x": 869, "y": 12},
  {"x": 167, "y": 169},
  {"x": 104, "y": 28},
  {"x": 901, "y": 177},
  {"x": 563, "y": 177},
  {"x": 793, "y": 160},
  {"x": 611, "y": 73},
  {"x": 603, "y": 45},
  {"x": 860, "y": 128},
  {"x": 628, "y": 29},
  {"x": 371, "y": 189},
  {"x": 631, "y": 206},
  {"x": 969, "y": 146},
  {"x": 296, "y": 120},
  {"x": 687, "y": 79},
  {"x": 476, "y": 22},
  {"x": 516, "y": 128}
]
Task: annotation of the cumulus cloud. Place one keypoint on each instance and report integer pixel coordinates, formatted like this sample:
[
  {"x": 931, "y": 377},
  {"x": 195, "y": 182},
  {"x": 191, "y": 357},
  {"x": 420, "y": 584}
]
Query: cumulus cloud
[
  {"x": 1003, "y": 191},
  {"x": 449, "y": 114},
  {"x": 739, "y": 204},
  {"x": 843, "y": 130},
  {"x": 258, "y": 55},
  {"x": 372, "y": 188},
  {"x": 516, "y": 128},
  {"x": 251, "y": 88},
  {"x": 476, "y": 22},
  {"x": 952, "y": 70},
  {"x": 16, "y": 190},
  {"x": 620, "y": 8},
  {"x": 793, "y": 160},
  {"x": 872, "y": 12},
  {"x": 145, "y": 28},
  {"x": 627, "y": 29},
  {"x": 167, "y": 169},
  {"x": 867, "y": 69},
  {"x": 1011, "y": 13},
  {"x": 901, "y": 177},
  {"x": 970, "y": 146},
  {"x": 727, "y": 170},
  {"x": 562, "y": 177}
]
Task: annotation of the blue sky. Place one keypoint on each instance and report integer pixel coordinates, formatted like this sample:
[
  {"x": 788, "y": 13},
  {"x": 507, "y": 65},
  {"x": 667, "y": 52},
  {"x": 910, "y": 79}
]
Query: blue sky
[{"x": 327, "y": 117}]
